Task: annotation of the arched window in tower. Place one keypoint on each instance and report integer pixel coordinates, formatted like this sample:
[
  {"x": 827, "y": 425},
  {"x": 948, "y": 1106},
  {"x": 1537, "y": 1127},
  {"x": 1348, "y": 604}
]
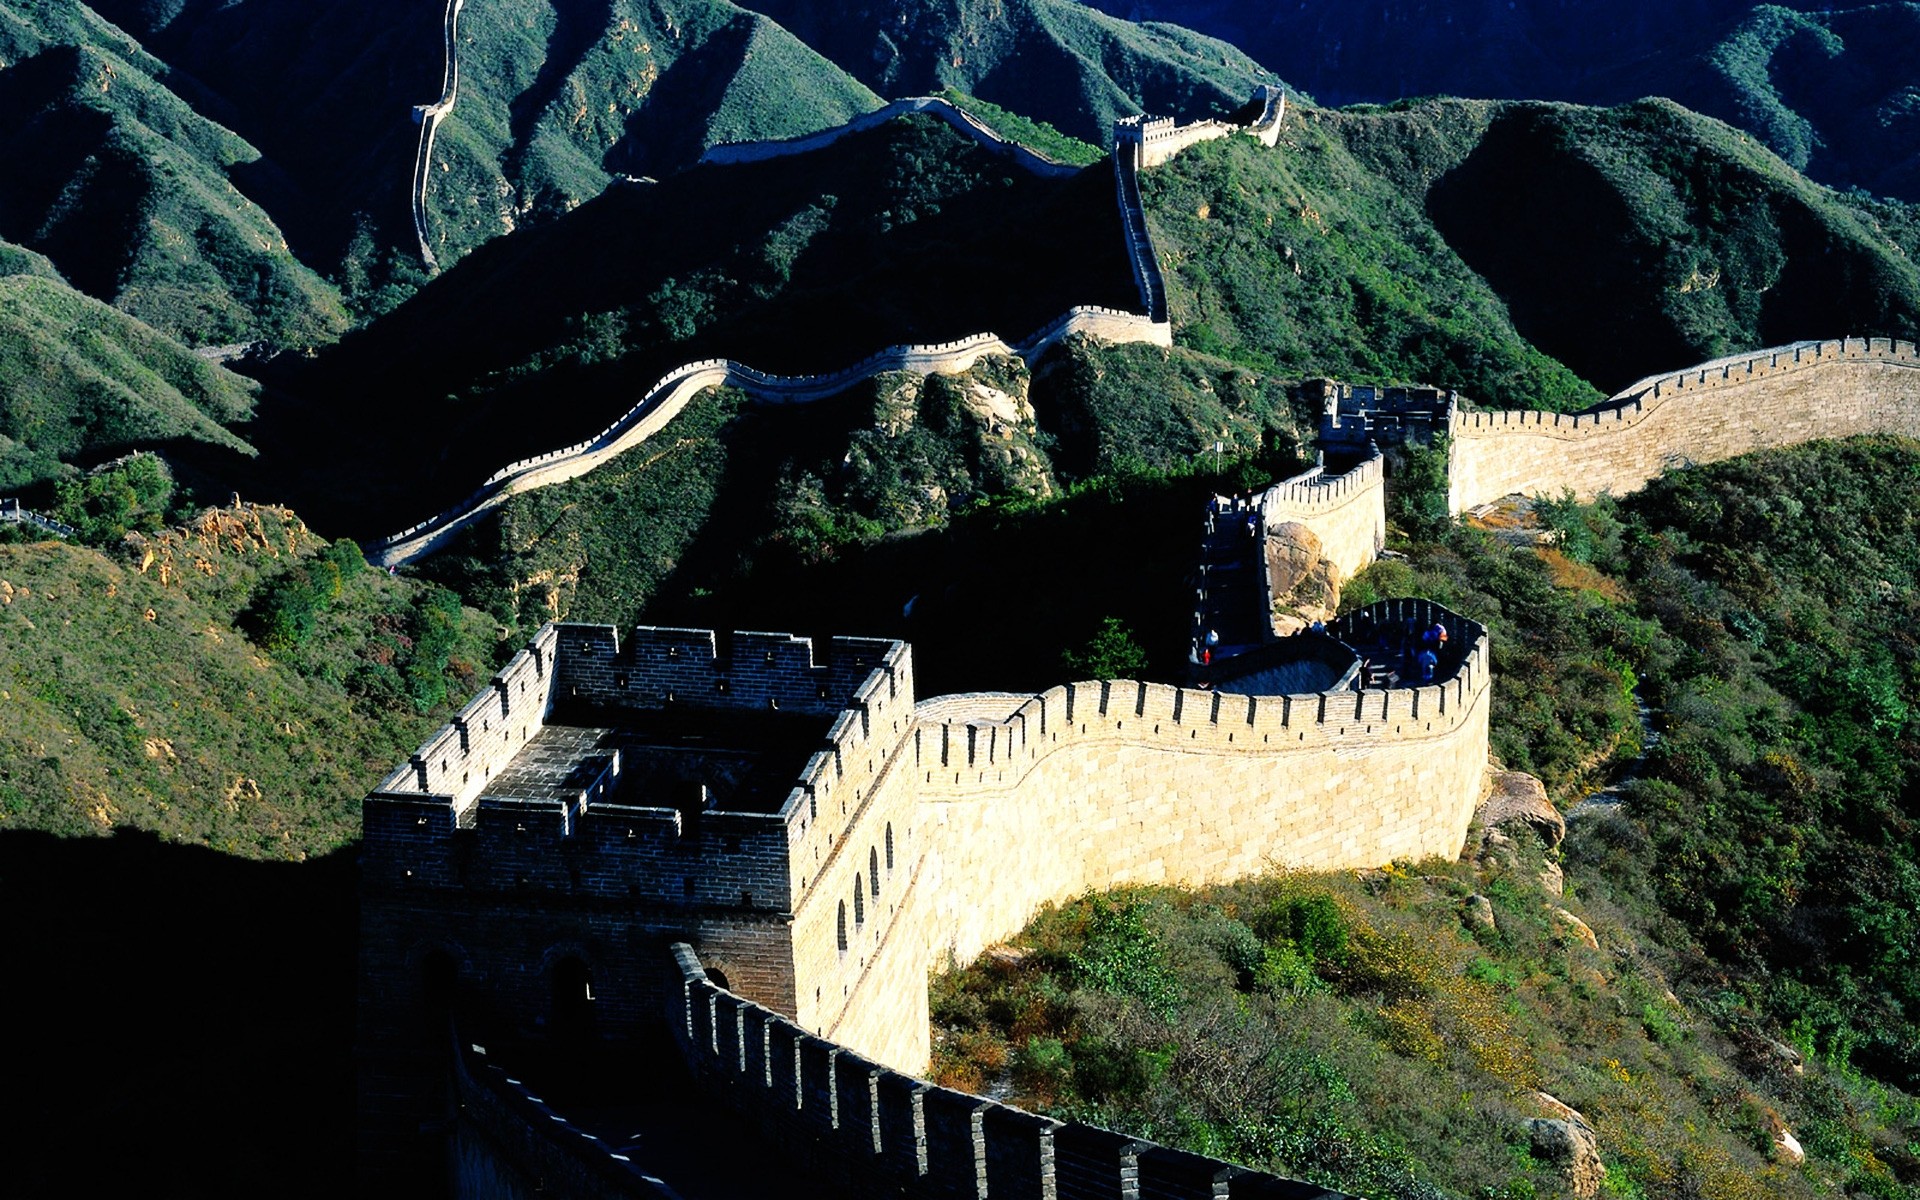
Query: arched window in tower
[
  {"x": 873, "y": 871},
  {"x": 889, "y": 845},
  {"x": 572, "y": 1015},
  {"x": 859, "y": 906},
  {"x": 841, "y": 926}
]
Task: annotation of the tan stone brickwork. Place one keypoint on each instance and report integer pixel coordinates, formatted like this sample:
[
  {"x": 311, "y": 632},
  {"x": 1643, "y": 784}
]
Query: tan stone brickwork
[
  {"x": 1731, "y": 406},
  {"x": 1347, "y": 512}
]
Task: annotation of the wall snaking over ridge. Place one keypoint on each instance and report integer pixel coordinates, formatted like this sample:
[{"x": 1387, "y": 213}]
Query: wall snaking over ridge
[
  {"x": 1770, "y": 398},
  {"x": 428, "y": 117},
  {"x": 1347, "y": 512},
  {"x": 664, "y": 400},
  {"x": 1137, "y": 143},
  {"x": 962, "y": 121}
]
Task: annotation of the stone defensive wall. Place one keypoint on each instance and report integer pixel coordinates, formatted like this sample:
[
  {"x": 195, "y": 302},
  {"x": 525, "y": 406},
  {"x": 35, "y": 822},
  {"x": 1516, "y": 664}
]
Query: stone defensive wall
[
  {"x": 11, "y": 513},
  {"x": 964, "y": 122},
  {"x": 593, "y": 805},
  {"x": 1730, "y": 406},
  {"x": 1095, "y": 785},
  {"x": 430, "y": 831},
  {"x": 428, "y": 117},
  {"x": 1347, "y": 512},
  {"x": 1159, "y": 138},
  {"x": 1133, "y": 139},
  {"x": 874, "y": 1132},
  {"x": 1128, "y": 157},
  {"x": 666, "y": 398}
]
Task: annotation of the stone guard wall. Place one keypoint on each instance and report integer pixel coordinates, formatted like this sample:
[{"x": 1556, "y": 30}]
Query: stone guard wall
[
  {"x": 877, "y": 1132},
  {"x": 1347, "y": 512},
  {"x": 1731, "y": 406},
  {"x": 1093, "y": 785}
]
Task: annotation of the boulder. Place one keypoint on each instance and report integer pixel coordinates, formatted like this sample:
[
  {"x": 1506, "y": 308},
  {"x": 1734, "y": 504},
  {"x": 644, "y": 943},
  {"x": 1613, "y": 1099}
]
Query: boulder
[
  {"x": 1571, "y": 1147},
  {"x": 1497, "y": 852},
  {"x": 1518, "y": 796},
  {"x": 1787, "y": 1147},
  {"x": 1304, "y": 584},
  {"x": 1553, "y": 881},
  {"x": 1559, "y": 1109},
  {"x": 1575, "y": 926},
  {"x": 1479, "y": 912}
]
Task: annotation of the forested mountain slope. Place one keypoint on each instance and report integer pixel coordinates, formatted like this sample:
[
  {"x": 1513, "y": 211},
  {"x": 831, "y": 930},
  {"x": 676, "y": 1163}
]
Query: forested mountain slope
[
  {"x": 1829, "y": 89},
  {"x": 81, "y": 381},
  {"x": 1059, "y": 62},
  {"x": 1638, "y": 238},
  {"x": 130, "y": 192}
]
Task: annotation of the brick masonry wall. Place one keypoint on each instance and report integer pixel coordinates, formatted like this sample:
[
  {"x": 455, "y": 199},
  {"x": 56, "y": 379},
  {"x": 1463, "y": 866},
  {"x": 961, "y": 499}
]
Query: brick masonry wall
[
  {"x": 1096, "y": 785},
  {"x": 877, "y": 1132},
  {"x": 1732, "y": 406},
  {"x": 905, "y": 840},
  {"x": 1347, "y": 512}
]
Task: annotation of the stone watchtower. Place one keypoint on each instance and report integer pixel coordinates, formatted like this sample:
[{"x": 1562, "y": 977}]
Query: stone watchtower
[{"x": 603, "y": 799}]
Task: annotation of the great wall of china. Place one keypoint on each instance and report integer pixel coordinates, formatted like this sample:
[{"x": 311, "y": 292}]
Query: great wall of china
[
  {"x": 1138, "y": 142},
  {"x": 910, "y": 832},
  {"x": 783, "y": 920},
  {"x": 1765, "y": 399},
  {"x": 666, "y": 398},
  {"x": 428, "y": 117},
  {"x": 962, "y": 121}
]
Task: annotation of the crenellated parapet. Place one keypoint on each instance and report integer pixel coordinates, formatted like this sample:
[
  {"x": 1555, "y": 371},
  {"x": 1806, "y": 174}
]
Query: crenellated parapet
[
  {"x": 790, "y": 810},
  {"x": 1095, "y": 785},
  {"x": 872, "y": 1131},
  {"x": 671, "y": 394},
  {"x": 1730, "y": 406},
  {"x": 1347, "y": 511},
  {"x": 1158, "y": 139}
]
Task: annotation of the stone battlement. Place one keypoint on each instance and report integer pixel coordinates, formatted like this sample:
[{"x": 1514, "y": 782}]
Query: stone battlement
[
  {"x": 874, "y": 1131},
  {"x": 1777, "y": 397},
  {"x": 454, "y": 816},
  {"x": 789, "y": 809}
]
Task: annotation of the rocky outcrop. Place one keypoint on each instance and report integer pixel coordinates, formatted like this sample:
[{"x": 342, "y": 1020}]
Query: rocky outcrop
[
  {"x": 1304, "y": 584},
  {"x": 1573, "y": 1148},
  {"x": 1518, "y": 796},
  {"x": 1479, "y": 912},
  {"x": 1574, "y": 927}
]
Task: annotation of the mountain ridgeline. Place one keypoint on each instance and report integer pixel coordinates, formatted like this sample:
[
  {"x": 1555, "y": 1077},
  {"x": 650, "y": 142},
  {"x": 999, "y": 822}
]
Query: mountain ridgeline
[
  {"x": 211, "y": 283},
  {"x": 1829, "y": 88}
]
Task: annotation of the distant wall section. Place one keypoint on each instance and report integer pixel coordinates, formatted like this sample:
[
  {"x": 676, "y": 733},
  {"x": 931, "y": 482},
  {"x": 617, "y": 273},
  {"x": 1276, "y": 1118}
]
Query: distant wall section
[{"x": 1731, "y": 406}]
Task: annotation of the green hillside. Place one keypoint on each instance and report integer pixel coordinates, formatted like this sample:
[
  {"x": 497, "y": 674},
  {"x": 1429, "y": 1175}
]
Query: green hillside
[
  {"x": 1832, "y": 93},
  {"x": 1063, "y": 63},
  {"x": 233, "y": 682},
  {"x": 793, "y": 265},
  {"x": 1828, "y": 87},
  {"x": 558, "y": 98},
  {"x": 80, "y": 381},
  {"x": 1303, "y": 260},
  {"x": 555, "y": 99},
  {"x": 1635, "y": 239},
  {"x": 18, "y": 260},
  {"x": 130, "y": 192}
]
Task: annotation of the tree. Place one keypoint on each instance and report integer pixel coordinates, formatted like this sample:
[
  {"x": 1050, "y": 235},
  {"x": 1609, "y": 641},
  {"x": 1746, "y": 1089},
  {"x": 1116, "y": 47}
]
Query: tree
[{"x": 1111, "y": 653}]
